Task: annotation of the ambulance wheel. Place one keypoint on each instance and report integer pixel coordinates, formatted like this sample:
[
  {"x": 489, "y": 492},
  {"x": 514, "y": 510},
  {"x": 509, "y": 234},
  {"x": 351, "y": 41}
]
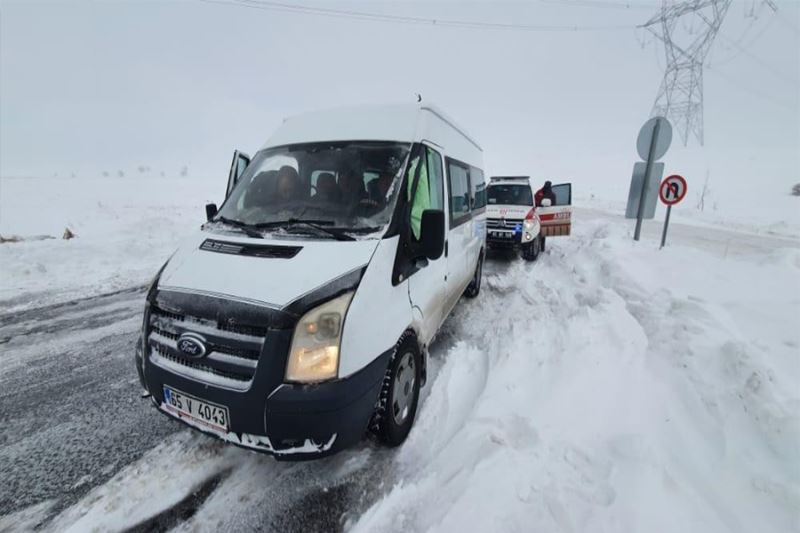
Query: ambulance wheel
[
  {"x": 474, "y": 286},
  {"x": 541, "y": 248},
  {"x": 531, "y": 250},
  {"x": 397, "y": 405}
]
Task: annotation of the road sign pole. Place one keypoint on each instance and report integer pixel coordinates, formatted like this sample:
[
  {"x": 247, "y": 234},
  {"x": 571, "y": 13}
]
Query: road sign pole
[
  {"x": 648, "y": 169},
  {"x": 666, "y": 225}
]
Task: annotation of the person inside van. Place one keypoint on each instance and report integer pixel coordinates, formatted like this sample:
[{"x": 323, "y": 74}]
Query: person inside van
[
  {"x": 327, "y": 189},
  {"x": 261, "y": 189},
  {"x": 545, "y": 192},
  {"x": 352, "y": 186},
  {"x": 379, "y": 188},
  {"x": 288, "y": 187}
]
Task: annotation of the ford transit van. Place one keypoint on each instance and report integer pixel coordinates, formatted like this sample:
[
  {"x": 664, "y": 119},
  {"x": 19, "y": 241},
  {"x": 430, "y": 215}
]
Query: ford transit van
[{"x": 301, "y": 313}]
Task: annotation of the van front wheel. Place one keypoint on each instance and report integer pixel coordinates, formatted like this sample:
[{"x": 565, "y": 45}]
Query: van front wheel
[
  {"x": 397, "y": 405},
  {"x": 530, "y": 251}
]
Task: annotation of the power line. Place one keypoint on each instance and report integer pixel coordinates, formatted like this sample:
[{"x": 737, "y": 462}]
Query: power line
[
  {"x": 740, "y": 40},
  {"x": 752, "y": 91},
  {"x": 605, "y": 4},
  {"x": 789, "y": 25},
  {"x": 380, "y": 17},
  {"x": 779, "y": 74}
]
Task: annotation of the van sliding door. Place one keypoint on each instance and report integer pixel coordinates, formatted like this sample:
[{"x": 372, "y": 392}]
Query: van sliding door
[{"x": 459, "y": 235}]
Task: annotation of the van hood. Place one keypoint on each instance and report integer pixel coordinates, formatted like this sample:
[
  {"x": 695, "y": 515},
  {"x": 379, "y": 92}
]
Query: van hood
[
  {"x": 512, "y": 212},
  {"x": 260, "y": 269}
]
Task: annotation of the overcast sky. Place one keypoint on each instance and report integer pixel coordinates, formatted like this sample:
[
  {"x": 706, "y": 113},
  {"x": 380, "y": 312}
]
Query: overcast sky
[{"x": 93, "y": 86}]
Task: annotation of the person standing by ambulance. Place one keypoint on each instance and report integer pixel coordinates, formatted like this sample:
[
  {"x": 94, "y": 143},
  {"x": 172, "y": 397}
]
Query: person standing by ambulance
[{"x": 545, "y": 192}]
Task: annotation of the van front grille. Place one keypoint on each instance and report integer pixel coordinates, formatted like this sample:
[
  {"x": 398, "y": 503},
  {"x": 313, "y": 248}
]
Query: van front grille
[
  {"x": 503, "y": 223},
  {"x": 168, "y": 355},
  {"x": 231, "y": 354}
]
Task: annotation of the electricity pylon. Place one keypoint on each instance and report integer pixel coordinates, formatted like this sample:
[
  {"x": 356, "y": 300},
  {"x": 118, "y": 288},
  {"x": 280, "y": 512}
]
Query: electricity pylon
[{"x": 687, "y": 29}]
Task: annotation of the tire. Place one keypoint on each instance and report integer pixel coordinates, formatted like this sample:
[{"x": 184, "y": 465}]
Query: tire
[
  {"x": 397, "y": 404},
  {"x": 541, "y": 248},
  {"x": 474, "y": 287},
  {"x": 530, "y": 252}
]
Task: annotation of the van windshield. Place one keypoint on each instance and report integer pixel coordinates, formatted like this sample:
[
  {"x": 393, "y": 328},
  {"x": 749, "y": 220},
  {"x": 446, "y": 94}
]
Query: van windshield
[
  {"x": 510, "y": 195},
  {"x": 349, "y": 186}
]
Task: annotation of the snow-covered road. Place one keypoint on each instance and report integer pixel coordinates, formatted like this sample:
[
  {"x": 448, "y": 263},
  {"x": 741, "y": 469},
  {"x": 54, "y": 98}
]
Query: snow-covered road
[{"x": 608, "y": 386}]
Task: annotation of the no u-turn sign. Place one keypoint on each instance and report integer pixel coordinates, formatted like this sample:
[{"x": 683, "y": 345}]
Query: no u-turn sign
[{"x": 672, "y": 189}]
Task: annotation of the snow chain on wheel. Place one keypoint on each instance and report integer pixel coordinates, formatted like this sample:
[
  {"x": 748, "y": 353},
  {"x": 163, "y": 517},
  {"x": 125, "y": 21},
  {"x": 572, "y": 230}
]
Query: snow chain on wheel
[{"x": 397, "y": 403}]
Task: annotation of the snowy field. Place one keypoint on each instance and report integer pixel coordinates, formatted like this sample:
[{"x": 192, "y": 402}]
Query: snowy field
[
  {"x": 609, "y": 386},
  {"x": 126, "y": 228}
]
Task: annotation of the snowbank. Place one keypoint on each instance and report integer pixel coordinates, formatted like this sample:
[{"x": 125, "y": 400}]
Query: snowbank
[{"x": 649, "y": 391}]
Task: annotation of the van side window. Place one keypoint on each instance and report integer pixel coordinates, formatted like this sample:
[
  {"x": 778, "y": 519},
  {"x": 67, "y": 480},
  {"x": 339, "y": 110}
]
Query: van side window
[
  {"x": 430, "y": 188},
  {"x": 478, "y": 187},
  {"x": 417, "y": 175},
  {"x": 459, "y": 196},
  {"x": 435, "y": 179}
]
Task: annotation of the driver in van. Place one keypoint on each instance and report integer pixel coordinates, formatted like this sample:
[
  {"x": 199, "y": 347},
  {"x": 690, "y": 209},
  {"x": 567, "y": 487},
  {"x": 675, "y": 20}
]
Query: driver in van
[
  {"x": 327, "y": 189},
  {"x": 288, "y": 187},
  {"x": 352, "y": 186},
  {"x": 261, "y": 189},
  {"x": 379, "y": 188}
]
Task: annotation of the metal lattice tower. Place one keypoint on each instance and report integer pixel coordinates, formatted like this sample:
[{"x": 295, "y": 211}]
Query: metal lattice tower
[{"x": 687, "y": 29}]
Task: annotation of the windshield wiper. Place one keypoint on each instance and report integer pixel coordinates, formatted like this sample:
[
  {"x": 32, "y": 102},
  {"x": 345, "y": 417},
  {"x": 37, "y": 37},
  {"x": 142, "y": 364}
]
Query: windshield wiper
[
  {"x": 244, "y": 226},
  {"x": 318, "y": 225}
]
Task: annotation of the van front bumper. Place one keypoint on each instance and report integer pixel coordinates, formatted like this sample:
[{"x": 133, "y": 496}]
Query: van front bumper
[{"x": 289, "y": 421}]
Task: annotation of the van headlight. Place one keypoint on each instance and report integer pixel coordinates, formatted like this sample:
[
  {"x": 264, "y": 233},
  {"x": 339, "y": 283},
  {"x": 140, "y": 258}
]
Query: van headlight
[{"x": 314, "y": 355}]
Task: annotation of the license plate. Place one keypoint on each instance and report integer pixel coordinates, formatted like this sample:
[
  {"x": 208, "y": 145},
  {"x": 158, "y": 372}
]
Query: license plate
[
  {"x": 501, "y": 234},
  {"x": 205, "y": 413}
]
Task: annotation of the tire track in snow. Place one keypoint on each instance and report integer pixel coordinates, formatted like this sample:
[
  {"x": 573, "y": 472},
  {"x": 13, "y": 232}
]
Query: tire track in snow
[{"x": 69, "y": 403}]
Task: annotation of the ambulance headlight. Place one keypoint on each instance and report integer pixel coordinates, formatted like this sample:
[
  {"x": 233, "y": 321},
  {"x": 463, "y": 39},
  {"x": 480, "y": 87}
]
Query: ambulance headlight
[{"x": 314, "y": 355}]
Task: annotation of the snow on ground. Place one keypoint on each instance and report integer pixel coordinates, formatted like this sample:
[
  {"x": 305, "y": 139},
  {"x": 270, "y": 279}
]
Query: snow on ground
[
  {"x": 168, "y": 474},
  {"x": 609, "y": 386},
  {"x": 126, "y": 228},
  {"x": 771, "y": 213},
  {"x": 634, "y": 390}
]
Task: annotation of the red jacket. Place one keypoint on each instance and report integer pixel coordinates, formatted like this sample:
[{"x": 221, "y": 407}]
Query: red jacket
[{"x": 540, "y": 195}]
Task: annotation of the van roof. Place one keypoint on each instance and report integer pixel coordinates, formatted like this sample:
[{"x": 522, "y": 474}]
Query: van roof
[{"x": 398, "y": 122}]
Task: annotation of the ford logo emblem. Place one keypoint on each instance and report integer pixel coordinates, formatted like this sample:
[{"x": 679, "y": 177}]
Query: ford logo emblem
[{"x": 192, "y": 345}]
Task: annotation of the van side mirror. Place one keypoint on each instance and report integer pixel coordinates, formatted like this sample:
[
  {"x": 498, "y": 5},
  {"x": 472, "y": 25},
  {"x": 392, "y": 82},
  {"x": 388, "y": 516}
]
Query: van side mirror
[
  {"x": 545, "y": 202},
  {"x": 211, "y": 211},
  {"x": 432, "y": 233}
]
